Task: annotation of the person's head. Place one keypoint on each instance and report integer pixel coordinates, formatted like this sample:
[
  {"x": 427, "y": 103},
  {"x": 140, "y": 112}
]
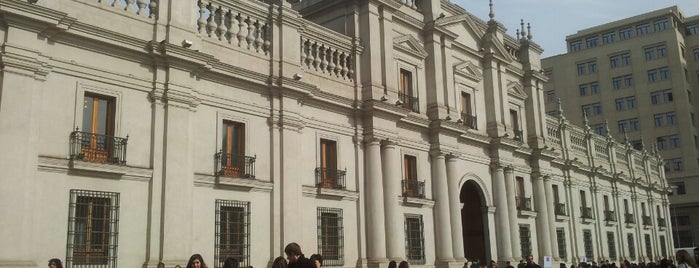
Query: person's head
[
  {"x": 403, "y": 264},
  {"x": 161, "y": 265},
  {"x": 317, "y": 260},
  {"x": 493, "y": 264},
  {"x": 55, "y": 263},
  {"x": 392, "y": 264},
  {"x": 293, "y": 252},
  {"x": 279, "y": 262},
  {"x": 530, "y": 259},
  {"x": 178, "y": 266},
  {"x": 230, "y": 262},
  {"x": 696, "y": 253},
  {"x": 196, "y": 261}
]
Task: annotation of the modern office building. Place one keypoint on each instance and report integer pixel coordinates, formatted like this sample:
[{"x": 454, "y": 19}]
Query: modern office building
[
  {"x": 133, "y": 132},
  {"x": 640, "y": 76}
]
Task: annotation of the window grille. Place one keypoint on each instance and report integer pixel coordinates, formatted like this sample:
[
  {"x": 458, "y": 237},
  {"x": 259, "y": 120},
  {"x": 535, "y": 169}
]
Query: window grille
[
  {"x": 632, "y": 246},
  {"x": 587, "y": 241},
  {"x": 232, "y": 232},
  {"x": 525, "y": 240},
  {"x": 330, "y": 236},
  {"x": 649, "y": 249},
  {"x": 561, "y": 237},
  {"x": 93, "y": 229},
  {"x": 611, "y": 245},
  {"x": 415, "y": 241}
]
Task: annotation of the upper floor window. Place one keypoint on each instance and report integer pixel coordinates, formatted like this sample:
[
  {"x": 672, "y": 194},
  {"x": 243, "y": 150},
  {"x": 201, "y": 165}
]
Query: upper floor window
[
  {"x": 592, "y": 109},
  {"x": 631, "y": 124},
  {"x": 233, "y": 158},
  {"x": 620, "y": 60},
  {"x": 467, "y": 116},
  {"x": 97, "y": 142},
  {"x": 655, "y": 52},
  {"x": 678, "y": 188},
  {"x": 692, "y": 29},
  {"x": 411, "y": 186},
  {"x": 406, "y": 95},
  {"x": 625, "y": 59},
  {"x": 625, "y": 103},
  {"x": 608, "y": 37},
  {"x": 330, "y": 236},
  {"x": 93, "y": 222},
  {"x": 661, "y": 96},
  {"x": 661, "y": 25},
  {"x": 642, "y": 29},
  {"x": 415, "y": 239},
  {"x": 232, "y": 232},
  {"x": 591, "y": 42},
  {"x": 625, "y": 33},
  {"x": 330, "y": 176},
  {"x": 575, "y": 45},
  {"x": 664, "y": 73},
  {"x": 674, "y": 164},
  {"x": 696, "y": 54},
  {"x": 599, "y": 129}
]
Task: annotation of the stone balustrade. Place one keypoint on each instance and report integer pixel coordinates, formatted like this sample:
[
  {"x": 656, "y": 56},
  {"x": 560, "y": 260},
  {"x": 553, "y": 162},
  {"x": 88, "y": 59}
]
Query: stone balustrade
[
  {"x": 326, "y": 52},
  {"x": 143, "y": 8},
  {"x": 241, "y": 24}
]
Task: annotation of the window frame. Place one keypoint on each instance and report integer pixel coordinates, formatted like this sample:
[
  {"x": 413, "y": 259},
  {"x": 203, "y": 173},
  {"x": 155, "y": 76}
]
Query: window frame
[
  {"x": 219, "y": 258},
  {"x": 111, "y": 203},
  {"x": 323, "y": 232},
  {"x": 414, "y": 246}
]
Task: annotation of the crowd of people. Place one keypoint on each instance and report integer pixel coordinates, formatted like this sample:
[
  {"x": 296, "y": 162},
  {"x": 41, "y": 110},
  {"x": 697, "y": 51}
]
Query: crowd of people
[{"x": 296, "y": 259}]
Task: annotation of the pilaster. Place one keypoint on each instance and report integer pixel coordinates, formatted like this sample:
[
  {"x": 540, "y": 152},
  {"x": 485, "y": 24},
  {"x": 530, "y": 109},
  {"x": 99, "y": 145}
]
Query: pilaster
[
  {"x": 502, "y": 217},
  {"x": 374, "y": 206},
  {"x": 512, "y": 211},
  {"x": 443, "y": 239},
  {"x": 455, "y": 208},
  {"x": 395, "y": 248}
]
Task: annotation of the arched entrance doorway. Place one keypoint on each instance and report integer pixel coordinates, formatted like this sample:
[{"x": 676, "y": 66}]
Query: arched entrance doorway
[{"x": 472, "y": 222}]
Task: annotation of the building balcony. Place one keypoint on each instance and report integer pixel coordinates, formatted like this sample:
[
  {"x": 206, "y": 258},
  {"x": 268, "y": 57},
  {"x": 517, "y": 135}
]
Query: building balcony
[
  {"x": 662, "y": 223},
  {"x": 97, "y": 148},
  {"x": 523, "y": 203},
  {"x": 629, "y": 218},
  {"x": 586, "y": 213},
  {"x": 470, "y": 121},
  {"x": 408, "y": 102},
  {"x": 646, "y": 220},
  {"x": 413, "y": 188},
  {"x": 561, "y": 211},
  {"x": 235, "y": 166},
  {"x": 609, "y": 216},
  {"x": 519, "y": 135},
  {"x": 330, "y": 178}
]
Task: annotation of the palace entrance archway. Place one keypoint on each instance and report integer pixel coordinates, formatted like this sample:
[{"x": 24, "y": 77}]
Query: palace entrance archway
[{"x": 473, "y": 222}]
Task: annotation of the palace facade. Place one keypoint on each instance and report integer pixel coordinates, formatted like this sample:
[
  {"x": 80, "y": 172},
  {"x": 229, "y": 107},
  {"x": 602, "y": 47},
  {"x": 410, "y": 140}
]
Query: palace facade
[{"x": 133, "y": 132}]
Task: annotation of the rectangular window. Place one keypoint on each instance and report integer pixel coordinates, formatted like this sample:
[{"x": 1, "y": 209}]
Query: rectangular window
[
  {"x": 674, "y": 140},
  {"x": 611, "y": 245},
  {"x": 637, "y": 144},
  {"x": 614, "y": 61},
  {"x": 561, "y": 237},
  {"x": 625, "y": 33},
  {"x": 671, "y": 118},
  {"x": 616, "y": 82},
  {"x": 692, "y": 29},
  {"x": 623, "y": 126},
  {"x": 525, "y": 240},
  {"x": 466, "y": 103},
  {"x": 662, "y": 142},
  {"x": 608, "y": 38},
  {"x": 233, "y": 149},
  {"x": 620, "y": 104},
  {"x": 98, "y": 125},
  {"x": 582, "y": 68},
  {"x": 406, "y": 94},
  {"x": 594, "y": 88},
  {"x": 575, "y": 45},
  {"x": 587, "y": 243},
  {"x": 232, "y": 232},
  {"x": 328, "y": 164},
  {"x": 93, "y": 227},
  {"x": 659, "y": 120},
  {"x": 649, "y": 52},
  {"x": 631, "y": 102},
  {"x": 677, "y": 164},
  {"x": 696, "y": 54},
  {"x": 649, "y": 249},
  {"x": 628, "y": 80},
  {"x": 330, "y": 236},
  {"x": 632, "y": 246},
  {"x": 625, "y": 59},
  {"x": 663, "y": 246},
  {"x": 592, "y": 67},
  {"x": 680, "y": 188},
  {"x": 634, "y": 124},
  {"x": 411, "y": 187},
  {"x": 599, "y": 129},
  {"x": 653, "y": 75},
  {"x": 642, "y": 29},
  {"x": 661, "y": 96},
  {"x": 415, "y": 241},
  {"x": 661, "y": 25},
  {"x": 661, "y": 51},
  {"x": 664, "y": 73},
  {"x": 591, "y": 42},
  {"x": 583, "y": 90}
]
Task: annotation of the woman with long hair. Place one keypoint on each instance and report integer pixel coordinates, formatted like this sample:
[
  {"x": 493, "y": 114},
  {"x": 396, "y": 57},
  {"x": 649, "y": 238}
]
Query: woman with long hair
[
  {"x": 196, "y": 261},
  {"x": 684, "y": 260}
]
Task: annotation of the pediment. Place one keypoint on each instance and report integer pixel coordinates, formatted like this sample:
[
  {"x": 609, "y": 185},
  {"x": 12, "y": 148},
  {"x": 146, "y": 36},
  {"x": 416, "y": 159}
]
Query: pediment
[
  {"x": 515, "y": 89},
  {"x": 468, "y": 70},
  {"x": 462, "y": 19},
  {"x": 410, "y": 45}
]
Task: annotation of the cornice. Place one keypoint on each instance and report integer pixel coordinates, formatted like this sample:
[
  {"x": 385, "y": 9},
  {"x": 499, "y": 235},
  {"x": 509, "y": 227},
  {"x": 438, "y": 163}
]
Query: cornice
[{"x": 62, "y": 165}]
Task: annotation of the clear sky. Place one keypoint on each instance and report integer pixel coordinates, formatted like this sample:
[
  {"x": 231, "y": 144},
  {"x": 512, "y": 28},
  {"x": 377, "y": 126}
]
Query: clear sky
[{"x": 553, "y": 20}]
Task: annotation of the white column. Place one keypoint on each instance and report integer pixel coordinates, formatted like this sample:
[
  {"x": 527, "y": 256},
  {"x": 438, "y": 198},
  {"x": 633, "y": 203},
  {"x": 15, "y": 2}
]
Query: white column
[
  {"x": 376, "y": 241},
  {"x": 542, "y": 218},
  {"x": 502, "y": 218},
  {"x": 441, "y": 209},
  {"x": 551, "y": 217},
  {"x": 512, "y": 211},
  {"x": 457, "y": 236},
  {"x": 395, "y": 248}
]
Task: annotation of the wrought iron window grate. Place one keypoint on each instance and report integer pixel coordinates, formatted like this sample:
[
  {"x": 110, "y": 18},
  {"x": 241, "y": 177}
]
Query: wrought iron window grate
[
  {"x": 232, "y": 232},
  {"x": 93, "y": 228}
]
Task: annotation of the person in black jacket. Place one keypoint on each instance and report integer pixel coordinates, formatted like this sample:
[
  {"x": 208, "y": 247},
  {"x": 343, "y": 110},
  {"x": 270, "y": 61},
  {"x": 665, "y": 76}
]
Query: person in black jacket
[{"x": 296, "y": 258}]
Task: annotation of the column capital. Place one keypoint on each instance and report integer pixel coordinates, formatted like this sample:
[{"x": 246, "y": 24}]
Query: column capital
[
  {"x": 372, "y": 140},
  {"x": 509, "y": 169},
  {"x": 388, "y": 143}
]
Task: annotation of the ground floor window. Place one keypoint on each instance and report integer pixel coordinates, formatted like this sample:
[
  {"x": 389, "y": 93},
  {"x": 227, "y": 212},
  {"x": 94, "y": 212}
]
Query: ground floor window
[
  {"x": 561, "y": 237},
  {"x": 93, "y": 222},
  {"x": 587, "y": 242},
  {"x": 330, "y": 236},
  {"x": 415, "y": 239},
  {"x": 232, "y": 232},
  {"x": 611, "y": 245},
  {"x": 525, "y": 240}
]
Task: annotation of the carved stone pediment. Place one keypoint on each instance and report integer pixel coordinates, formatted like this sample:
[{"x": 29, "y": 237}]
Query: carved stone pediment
[{"x": 410, "y": 45}]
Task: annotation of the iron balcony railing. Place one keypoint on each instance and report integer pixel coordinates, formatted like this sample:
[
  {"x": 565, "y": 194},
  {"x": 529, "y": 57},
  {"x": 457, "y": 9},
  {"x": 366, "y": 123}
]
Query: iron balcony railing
[
  {"x": 586, "y": 212},
  {"x": 518, "y": 135},
  {"x": 560, "y": 209},
  {"x": 469, "y": 121},
  {"x": 661, "y": 222},
  {"x": 330, "y": 178},
  {"x": 609, "y": 215},
  {"x": 629, "y": 218},
  {"x": 235, "y": 166},
  {"x": 91, "y": 147},
  {"x": 646, "y": 220},
  {"x": 524, "y": 203},
  {"x": 413, "y": 188},
  {"x": 409, "y": 102}
]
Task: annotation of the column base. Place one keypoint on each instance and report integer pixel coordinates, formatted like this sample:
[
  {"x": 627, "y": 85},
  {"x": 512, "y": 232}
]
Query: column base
[
  {"x": 17, "y": 264},
  {"x": 449, "y": 263},
  {"x": 377, "y": 263}
]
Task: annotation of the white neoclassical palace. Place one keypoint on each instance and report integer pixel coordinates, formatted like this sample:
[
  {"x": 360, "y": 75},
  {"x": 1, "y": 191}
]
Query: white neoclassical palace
[{"x": 140, "y": 131}]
